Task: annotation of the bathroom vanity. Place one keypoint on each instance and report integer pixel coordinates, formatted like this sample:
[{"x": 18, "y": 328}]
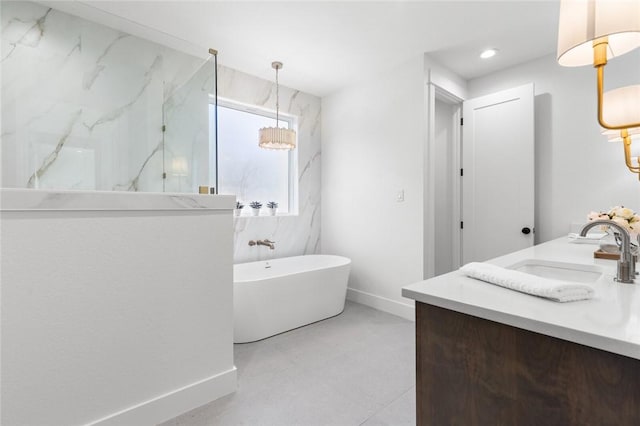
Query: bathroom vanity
[{"x": 489, "y": 355}]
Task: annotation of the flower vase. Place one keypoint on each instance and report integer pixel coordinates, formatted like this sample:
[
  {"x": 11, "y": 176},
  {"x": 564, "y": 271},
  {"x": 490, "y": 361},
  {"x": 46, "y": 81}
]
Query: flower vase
[
  {"x": 612, "y": 243},
  {"x": 255, "y": 212},
  {"x": 238, "y": 212},
  {"x": 272, "y": 211}
]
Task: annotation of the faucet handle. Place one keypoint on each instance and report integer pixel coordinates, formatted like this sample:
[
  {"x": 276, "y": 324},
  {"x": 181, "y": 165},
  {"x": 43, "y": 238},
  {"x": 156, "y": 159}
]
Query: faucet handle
[
  {"x": 269, "y": 242},
  {"x": 252, "y": 243}
]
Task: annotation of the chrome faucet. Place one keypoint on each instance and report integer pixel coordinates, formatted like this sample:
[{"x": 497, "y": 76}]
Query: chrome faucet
[
  {"x": 626, "y": 263},
  {"x": 267, "y": 243}
]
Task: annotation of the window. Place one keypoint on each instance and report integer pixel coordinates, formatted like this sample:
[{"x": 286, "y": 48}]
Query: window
[{"x": 244, "y": 169}]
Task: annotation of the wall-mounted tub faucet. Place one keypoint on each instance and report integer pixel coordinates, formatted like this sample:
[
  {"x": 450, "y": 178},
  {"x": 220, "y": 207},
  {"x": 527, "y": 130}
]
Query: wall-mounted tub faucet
[
  {"x": 270, "y": 244},
  {"x": 267, "y": 243}
]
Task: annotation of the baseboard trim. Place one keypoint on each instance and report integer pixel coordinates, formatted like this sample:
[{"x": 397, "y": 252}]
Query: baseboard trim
[
  {"x": 174, "y": 403},
  {"x": 394, "y": 307}
]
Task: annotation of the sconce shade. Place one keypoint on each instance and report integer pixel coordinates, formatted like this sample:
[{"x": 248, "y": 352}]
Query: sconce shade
[
  {"x": 622, "y": 105},
  {"x": 583, "y": 21},
  {"x": 277, "y": 138}
]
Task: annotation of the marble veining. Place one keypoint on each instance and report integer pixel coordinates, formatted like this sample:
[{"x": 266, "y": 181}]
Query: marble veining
[
  {"x": 292, "y": 100},
  {"x": 48, "y": 161},
  {"x": 268, "y": 91},
  {"x": 91, "y": 76},
  {"x": 308, "y": 165},
  {"x": 28, "y": 37},
  {"x": 76, "y": 48},
  {"x": 117, "y": 113},
  {"x": 316, "y": 122},
  {"x": 82, "y": 104},
  {"x": 133, "y": 184},
  {"x": 313, "y": 241},
  {"x": 186, "y": 113}
]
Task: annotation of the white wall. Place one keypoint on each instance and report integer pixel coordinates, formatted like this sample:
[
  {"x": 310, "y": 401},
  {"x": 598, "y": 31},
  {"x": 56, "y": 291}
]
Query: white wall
[
  {"x": 441, "y": 76},
  {"x": 372, "y": 147},
  {"x": 115, "y": 306},
  {"x": 577, "y": 170}
]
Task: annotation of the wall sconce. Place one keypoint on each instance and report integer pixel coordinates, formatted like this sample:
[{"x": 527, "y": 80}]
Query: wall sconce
[
  {"x": 277, "y": 137},
  {"x": 592, "y": 32}
]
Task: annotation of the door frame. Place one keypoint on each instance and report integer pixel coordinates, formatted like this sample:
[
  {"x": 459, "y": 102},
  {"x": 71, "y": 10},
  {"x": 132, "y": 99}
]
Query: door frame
[{"x": 435, "y": 92}]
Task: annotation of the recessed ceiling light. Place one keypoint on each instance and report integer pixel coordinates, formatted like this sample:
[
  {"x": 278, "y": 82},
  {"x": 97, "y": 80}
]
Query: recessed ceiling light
[{"x": 488, "y": 53}]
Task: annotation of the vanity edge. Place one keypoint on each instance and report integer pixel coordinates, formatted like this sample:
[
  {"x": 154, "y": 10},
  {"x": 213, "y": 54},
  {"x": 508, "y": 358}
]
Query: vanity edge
[{"x": 582, "y": 322}]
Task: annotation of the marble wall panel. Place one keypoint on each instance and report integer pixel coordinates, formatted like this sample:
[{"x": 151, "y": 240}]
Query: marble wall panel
[
  {"x": 297, "y": 233},
  {"x": 77, "y": 96}
]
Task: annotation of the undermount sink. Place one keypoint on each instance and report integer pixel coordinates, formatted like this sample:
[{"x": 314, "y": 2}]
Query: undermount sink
[{"x": 559, "y": 270}]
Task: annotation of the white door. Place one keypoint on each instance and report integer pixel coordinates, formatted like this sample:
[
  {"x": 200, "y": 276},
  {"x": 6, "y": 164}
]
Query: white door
[{"x": 498, "y": 174}]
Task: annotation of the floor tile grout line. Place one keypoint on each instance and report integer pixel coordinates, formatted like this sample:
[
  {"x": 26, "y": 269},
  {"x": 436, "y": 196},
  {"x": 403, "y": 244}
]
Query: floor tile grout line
[{"x": 382, "y": 408}]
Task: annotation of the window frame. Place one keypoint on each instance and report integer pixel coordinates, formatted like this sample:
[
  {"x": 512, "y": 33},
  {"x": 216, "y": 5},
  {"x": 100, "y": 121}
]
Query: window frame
[{"x": 292, "y": 155}]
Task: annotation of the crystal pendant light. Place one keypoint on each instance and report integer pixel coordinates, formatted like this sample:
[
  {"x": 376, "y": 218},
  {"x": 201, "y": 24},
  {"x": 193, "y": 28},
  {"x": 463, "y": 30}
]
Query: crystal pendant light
[{"x": 277, "y": 137}]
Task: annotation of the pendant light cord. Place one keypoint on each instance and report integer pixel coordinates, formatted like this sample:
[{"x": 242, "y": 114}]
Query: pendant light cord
[{"x": 277, "y": 100}]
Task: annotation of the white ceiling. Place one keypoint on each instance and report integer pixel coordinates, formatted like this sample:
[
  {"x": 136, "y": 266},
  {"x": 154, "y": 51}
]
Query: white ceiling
[{"x": 329, "y": 45}]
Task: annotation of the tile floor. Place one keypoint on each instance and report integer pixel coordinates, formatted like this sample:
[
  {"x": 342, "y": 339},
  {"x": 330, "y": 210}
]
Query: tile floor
[{"x": 354, "y": 369}]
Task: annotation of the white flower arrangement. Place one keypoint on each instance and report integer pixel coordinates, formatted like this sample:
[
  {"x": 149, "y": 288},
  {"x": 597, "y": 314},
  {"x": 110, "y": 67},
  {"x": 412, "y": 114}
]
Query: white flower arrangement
[{"x": 621, "y": 215}]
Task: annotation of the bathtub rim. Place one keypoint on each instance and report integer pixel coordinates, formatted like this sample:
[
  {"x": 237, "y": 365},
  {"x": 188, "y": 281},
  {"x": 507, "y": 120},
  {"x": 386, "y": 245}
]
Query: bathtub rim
[{"x": 344, "y": 261}]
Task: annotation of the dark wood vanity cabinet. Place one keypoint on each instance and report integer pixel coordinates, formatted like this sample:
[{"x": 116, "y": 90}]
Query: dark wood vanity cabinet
[{"x": 472, "y": 371}]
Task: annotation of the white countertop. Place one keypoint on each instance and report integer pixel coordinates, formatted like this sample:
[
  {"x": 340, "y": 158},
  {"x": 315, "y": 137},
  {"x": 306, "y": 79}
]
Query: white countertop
[{"x": 610, "y": 321}]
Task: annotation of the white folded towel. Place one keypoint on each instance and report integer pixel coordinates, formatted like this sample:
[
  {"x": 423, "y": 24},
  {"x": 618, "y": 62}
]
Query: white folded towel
[
  {"x": 559, "y": 291},
  {"x": 591, "y": 238}
]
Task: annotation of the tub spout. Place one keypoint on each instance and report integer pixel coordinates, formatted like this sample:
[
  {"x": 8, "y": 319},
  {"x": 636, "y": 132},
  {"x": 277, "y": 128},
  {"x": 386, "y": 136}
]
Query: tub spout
[{"x": 267, "y": 243}]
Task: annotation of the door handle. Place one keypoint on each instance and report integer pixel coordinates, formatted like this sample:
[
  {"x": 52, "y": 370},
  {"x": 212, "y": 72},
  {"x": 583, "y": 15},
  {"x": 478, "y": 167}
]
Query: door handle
[{"x": 526, "y": 230}]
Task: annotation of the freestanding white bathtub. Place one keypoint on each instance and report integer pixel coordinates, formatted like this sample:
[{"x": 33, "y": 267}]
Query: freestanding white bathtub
[{"x": 270, "y": 297}]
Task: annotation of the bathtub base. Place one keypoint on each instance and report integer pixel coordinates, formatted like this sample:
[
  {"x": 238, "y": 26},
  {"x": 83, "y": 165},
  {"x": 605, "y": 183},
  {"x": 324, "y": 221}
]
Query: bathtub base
[{"x": 286, "y": 331}]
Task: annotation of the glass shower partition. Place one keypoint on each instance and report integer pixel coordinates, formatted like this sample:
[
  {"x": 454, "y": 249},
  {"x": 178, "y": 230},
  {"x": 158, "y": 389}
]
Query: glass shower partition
[
  {"x": 83, "y": 106},
  {"x": 188, "y": 148}
]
